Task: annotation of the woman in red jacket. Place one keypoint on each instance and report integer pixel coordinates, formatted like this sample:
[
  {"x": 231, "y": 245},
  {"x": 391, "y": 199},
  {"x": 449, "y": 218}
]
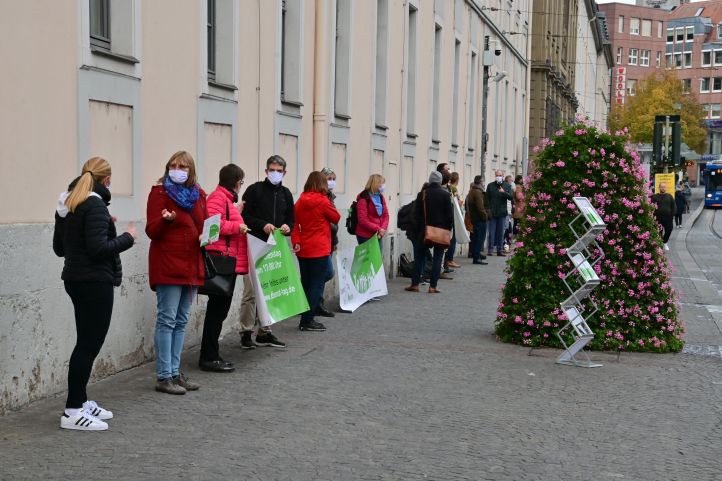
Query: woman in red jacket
[
  {"x": 175, "y": 214},
  {"x": 373, "y": 214},
  {"x": 311, "y": 238},
  {"x": 232, "y": 242}
]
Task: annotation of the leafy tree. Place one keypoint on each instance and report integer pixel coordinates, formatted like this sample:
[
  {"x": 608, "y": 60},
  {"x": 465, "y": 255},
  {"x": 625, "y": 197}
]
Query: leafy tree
[
  {"x": 657, "y": 95},
  {"x": 638, "y": 310}
]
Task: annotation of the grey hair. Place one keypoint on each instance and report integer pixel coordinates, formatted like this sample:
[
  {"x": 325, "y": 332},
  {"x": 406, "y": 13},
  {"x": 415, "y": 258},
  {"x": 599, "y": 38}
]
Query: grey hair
[
  {"x": 276, "y": 159},
  {"x": 327, "y": 171}
]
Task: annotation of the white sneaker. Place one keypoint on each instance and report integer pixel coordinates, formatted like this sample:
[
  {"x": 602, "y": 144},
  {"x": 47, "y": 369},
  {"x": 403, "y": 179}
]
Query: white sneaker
[
  {"x": 83, "y": 421},
  {"x": 666, "y": 247},
  {"x": 98, "y": 412}
]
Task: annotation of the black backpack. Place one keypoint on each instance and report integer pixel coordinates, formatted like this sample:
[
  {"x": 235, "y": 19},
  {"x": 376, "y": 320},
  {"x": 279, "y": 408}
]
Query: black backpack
[
  {"x": 406, "y": 218},
  {"x": 352, "y": 218}
]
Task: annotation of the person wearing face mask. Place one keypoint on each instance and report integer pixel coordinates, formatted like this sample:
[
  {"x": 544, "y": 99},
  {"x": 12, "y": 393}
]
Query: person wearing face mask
[
  {"x": 330, "y": 175},
  {"x": 86, "y": 238},
  {"x": 497, "y": 195},
  {"x": 373, "y": 214},
  {"x": 232, "y": 242},
  {"x": 267, "y": 206},
  {"x": 176, "y": 211}
]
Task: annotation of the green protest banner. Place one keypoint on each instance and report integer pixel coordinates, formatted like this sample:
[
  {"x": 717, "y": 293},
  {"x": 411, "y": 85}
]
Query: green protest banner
[
  {"x": 279, "y": 294},
  {"x": 361, "y": 274}
]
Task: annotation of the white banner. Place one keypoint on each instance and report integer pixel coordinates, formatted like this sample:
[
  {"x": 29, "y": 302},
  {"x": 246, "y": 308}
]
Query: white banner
[
  {"x": 462, "y": 235},
  {"x": 361, "y": 274}
]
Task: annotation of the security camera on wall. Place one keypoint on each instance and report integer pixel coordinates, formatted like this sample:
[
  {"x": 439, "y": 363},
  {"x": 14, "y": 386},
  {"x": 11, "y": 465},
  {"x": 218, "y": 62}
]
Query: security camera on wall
[{"x": 497, "y": 48}]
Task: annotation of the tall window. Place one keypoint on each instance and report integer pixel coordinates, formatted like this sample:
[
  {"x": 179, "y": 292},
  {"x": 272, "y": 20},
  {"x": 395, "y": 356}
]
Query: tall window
[
  {"x": 659, "y": 59},
  {"x": 660, "y": 27},
  {"x": 668, "y": 59},
  {"x": 644, "y": 58},
  {"x": 382, "y": 60},
  {"x": 100, "y": 23},
  {"x": 291, "y": 32},
  {"x": 719, "y": 31},
  {"x": 633, "y": 52},
  {"x": 632, "y": 87},
  {"x": 411, "y": 73},
  {"x": 620, "y": 52},
  {"x": 455, "y": 114},
  {"x": 678, "y": 60},
  {"x": 717, "y": 84},
  {"x": 706, "y": 58},
  {"x": 646, "y": 28},
  {"x": 342, "y": 64},
  {"x": 687, "y": 59},
  {"x": 704, "y": 85},
  {"x": 690, "y": 33},
  {"x": 670, "y": 35},
  {"x": 714, "y": 111},
  {"x": 621, "y": 24},
  {"x": 472, "y": 103},
  {"x": 680, "y": 34},
  {"x": 211, "y": 31},
  {"x": 634, "y": 26},
  {"x": 717, "y": 57},
  {"x": 686, "y": 85},
  {"x": 436, "y": 86}
]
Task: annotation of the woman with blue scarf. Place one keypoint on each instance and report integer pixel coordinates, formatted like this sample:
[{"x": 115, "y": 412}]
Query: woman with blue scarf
[{"x": 176, "y": 211}]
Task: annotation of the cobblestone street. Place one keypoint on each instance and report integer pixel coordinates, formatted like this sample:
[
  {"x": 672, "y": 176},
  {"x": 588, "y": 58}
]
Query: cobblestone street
[{"x": 412, "y": 387}]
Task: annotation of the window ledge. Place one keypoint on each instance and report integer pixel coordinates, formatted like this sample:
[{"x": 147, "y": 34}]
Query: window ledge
[
  {"x": 217, "y": 98},
  {"x": 342, "y": 116},
  {"x": 411, "y": 136},
  {"x": 382, "y": 127},
  {"x": 292, "y": 103},
  {"x": 222, "y": 86},
  {"x": 115, "y": 56}
]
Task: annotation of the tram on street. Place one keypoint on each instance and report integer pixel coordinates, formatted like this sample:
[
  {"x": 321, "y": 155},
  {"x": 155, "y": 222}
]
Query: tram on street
[{"x": 713, "y": 184}]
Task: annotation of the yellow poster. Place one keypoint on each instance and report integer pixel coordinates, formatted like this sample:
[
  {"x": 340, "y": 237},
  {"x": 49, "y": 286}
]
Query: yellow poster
[{"x": 667, "y": 180}]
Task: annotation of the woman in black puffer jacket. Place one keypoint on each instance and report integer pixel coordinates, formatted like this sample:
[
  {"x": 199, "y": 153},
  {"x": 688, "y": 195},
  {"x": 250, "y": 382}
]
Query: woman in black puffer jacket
[{"x": 85, "y": 236}]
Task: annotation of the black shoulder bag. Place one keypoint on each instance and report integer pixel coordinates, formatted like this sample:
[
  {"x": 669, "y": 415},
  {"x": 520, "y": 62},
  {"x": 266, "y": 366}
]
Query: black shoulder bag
[{"x": 220, "y": 270}]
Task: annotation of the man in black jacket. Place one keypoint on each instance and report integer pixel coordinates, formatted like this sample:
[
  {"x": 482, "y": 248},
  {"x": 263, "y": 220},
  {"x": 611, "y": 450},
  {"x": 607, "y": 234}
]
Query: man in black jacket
[
  {"x": 267, "y": 206},
  {"x": 497, "y": 195},
  {"x": 664, "y": 212}
]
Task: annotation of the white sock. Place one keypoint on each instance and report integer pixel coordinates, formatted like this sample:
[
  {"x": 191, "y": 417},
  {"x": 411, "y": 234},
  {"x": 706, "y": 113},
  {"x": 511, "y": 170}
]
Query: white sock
[{"x": 73, "y": 412}]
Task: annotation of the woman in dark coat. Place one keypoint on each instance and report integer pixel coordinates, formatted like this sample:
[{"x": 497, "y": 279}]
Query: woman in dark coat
[
  {"x": 85, "y": 236},
  {"x": 681, "y": 203},
  {"x": 438, "y": 213}
]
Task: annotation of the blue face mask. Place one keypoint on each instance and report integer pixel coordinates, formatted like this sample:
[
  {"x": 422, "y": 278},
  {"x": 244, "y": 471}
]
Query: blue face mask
[
  {"x": 275, "y": 178},
  {"x": 331, "y": 184},
  {"x": 382, "y": 188},
  {"x": 178, "y": 176}
]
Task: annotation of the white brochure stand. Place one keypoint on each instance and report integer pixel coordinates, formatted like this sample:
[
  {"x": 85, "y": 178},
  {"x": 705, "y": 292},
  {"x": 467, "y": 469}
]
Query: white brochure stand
[{"x": 581, "y": 281}]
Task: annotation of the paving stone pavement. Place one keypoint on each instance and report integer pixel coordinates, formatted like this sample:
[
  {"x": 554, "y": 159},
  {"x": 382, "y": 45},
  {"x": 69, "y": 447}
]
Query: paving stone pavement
[{"x": 414, "y": 387}]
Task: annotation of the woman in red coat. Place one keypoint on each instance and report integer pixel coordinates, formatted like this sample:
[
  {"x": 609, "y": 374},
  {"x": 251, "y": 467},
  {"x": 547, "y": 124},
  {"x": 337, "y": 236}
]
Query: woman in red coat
[
  {"x": 232, "y": 242},
  {"x": 311, "y": 238},
  {"x": 175, "y": 214},
  {"x": 373, "y": 214}
]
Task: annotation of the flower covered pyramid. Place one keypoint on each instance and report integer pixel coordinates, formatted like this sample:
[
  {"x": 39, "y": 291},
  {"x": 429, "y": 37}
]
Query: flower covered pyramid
[{"x": 638, "y": 308}]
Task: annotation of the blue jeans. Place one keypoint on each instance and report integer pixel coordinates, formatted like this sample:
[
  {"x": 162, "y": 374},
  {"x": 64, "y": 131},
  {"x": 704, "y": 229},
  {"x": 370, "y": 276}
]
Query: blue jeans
[
  {"x": 497, "y": 225},
  {"x": 420, "y": 263},
  {"x": 313, "y": 279},
  {"x": 477, "y": 240},
  {"x": 174, "y": 307}
]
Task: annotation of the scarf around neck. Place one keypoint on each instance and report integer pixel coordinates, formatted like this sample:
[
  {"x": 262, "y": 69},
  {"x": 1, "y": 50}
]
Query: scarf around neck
[{"x": 185, "y": 197}]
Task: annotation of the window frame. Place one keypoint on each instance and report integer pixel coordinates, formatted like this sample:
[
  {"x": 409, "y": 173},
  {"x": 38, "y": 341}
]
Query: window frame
[
  {"x": 643, "y": 57},
  {"x": 102, "y": 40},
  {"x": 620, "y": 55},
  {"x": 686, "y": 85},
  {"x": 689, "y": 33},
  {"x": 642, "y": 28},
  {"x": 211, "y": 27},
  {"x": 670, "y": 35},
  {"x": 679, "y": 35},
  {"x": 633, "y": 55},
  {"x": 658, "y": 61},
  {"x": 708, "y": 53},
  {"x": 620, "y": 24},
  {"x": 715, "y": 60},
  {"x": 716, "y": 84},
  {"x": 632, "y": 29},
  {"x": 712, "y": 111},
  {"x": 702, "y": 82}
]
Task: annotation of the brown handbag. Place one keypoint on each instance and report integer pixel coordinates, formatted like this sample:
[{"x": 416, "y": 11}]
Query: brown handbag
[{"x": 435, "y": 236}]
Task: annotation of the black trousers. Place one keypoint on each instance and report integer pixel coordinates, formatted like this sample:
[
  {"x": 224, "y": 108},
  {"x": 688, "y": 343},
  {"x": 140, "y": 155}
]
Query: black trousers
[
  {"x": 668, "y": 226},
  {"x": 93, "y": 303},
  {"x": 216, "y": 312},
  {"x": 678, "y": 218}
]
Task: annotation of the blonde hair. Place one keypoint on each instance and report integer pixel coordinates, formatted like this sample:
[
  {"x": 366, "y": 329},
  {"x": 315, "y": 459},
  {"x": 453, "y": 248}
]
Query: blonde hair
[
  {"x": 374, "y": 182},
  {"x": 96, "y": 169},
  {"x": 184, "y": 159}
]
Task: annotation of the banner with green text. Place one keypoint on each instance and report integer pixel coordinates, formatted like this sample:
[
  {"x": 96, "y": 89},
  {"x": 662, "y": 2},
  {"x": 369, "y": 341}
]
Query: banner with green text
[
  {"x": 276, "y": 282},
  {"x": 361, "y": 274}
]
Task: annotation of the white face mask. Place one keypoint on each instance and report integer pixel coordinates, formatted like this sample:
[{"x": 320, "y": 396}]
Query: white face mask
[
  {"x": 382, "y": 188},
  {"x": 499, "y": 180},
  {"x": 178, "y": 176},
  {"x": 275, "y": 178},
  {"x": 331, "y": 184}
]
